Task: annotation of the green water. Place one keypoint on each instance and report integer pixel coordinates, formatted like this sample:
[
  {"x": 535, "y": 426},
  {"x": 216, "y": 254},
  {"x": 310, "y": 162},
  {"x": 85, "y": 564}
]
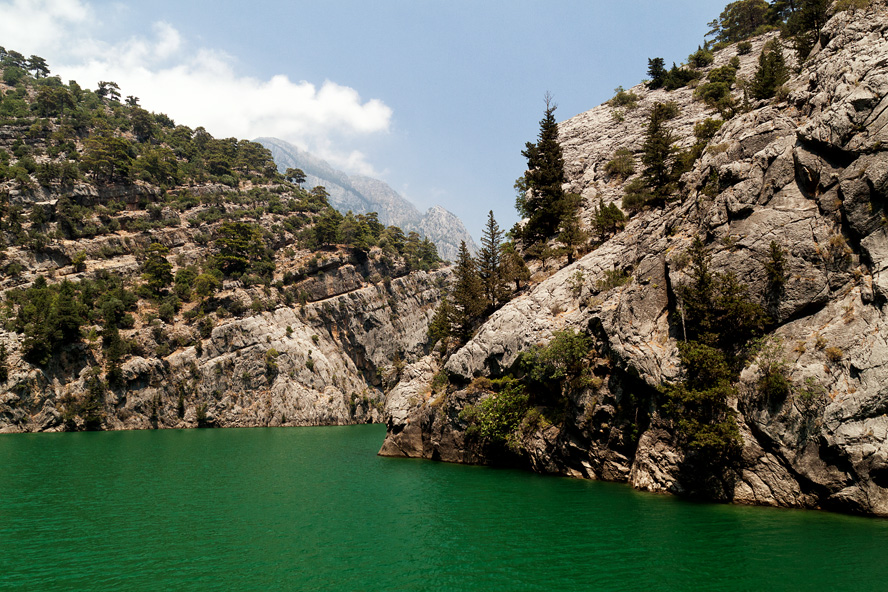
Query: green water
[{"x": 316, "y": 509}]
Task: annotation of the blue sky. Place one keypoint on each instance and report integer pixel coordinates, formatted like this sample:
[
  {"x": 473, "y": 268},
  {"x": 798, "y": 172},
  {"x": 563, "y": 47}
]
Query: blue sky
[{"x": 437, "y": 98}]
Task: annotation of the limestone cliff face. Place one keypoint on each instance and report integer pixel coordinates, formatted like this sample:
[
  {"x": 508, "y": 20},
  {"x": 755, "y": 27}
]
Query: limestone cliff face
[
  {"x": 321, "y": 363},
  {"x": 324, "y": 358},
  {"x": 809, "y": 172}
]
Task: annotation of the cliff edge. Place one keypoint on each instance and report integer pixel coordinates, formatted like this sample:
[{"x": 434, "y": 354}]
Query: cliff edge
[{"x": 807, "y": 171}]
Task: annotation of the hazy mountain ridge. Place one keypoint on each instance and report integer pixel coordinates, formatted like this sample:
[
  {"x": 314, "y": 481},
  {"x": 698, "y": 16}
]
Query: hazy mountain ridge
[{"x": 362, "y": 194}]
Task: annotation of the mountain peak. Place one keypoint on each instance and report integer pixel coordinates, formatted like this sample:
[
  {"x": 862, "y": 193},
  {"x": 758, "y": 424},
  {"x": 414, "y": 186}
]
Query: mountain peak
[{"x": 362, "y": 194}]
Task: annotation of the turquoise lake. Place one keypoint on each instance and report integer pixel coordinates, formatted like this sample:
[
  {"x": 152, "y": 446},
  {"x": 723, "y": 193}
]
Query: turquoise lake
[{"x": 316, "y": 509}]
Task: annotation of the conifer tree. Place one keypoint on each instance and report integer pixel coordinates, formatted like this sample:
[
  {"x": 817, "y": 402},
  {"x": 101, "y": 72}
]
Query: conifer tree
[
  {"x": 490, "y": 262},
  {"x": 571, "y": 233},
  {"x": 805, "y": 23},
  {"x": 156, "y": 270},
  {"x": 657, "y": 73},
  {"x": 658, "y": 153},
  {"x": 771, "y": 71},
  {"x": 514, "y": 268},
  {"x": 607, "y": 219},
  {"x": 442, "y": 321},
  {"x": 544, "y": 201},
  {"x": 468, "y": 293}
]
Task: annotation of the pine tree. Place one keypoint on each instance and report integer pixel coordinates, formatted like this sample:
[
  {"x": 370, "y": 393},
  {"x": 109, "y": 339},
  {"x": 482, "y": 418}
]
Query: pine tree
[
  {"x": 571, "y": 233},
  {"x": 658, "y": 153},
  {"x": 543, "y": 203},
  {"x": 607, "y": 219},
  {"x": 514, "y": 268},
  {"x": 156, "y": 270},
  {"x": 771, "y": 73},
  {"x": 490, "y": 262},
  {"x": 468, "y": 293},
  {"x": 442, "y": 321},
  {"x": 805, "y": 23},
  {"x": 656, "y": 72}
]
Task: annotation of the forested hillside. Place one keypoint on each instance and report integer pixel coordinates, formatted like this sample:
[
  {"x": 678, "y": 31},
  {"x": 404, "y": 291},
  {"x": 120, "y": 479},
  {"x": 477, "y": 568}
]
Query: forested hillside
[{"x": 129, "y": 242}]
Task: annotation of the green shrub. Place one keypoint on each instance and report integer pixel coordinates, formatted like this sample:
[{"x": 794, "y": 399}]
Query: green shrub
[
  {"x": 613, "y": 278},
  {"x": 635, "y": 195},
  {"x": 775, "y": 268},
  {"x": 552, "y": 371},
  {"x": 496, "y": 418},
  {"x": 774, "y": 383},
  {"x": 700, "y": 58},
  {"x": 622, "y": 164},
  {"x": 271, "y": 366},
  {"x": 440, "y": 382},
  {"x": 706, "y": 129},
  {"x": 679, "y": 77},
  {"x": 624, "y": 98}
]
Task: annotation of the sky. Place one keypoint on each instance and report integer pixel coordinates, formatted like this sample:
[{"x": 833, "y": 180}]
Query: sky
[{"x": 435, "y": 97}]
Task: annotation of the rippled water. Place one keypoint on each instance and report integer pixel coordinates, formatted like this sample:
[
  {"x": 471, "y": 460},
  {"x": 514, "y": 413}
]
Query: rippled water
[{"x": 316, "y": 509}]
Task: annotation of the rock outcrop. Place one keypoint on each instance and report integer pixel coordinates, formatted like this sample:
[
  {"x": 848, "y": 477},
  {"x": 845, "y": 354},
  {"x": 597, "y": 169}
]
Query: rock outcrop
[
  {"x": 808, "y": 171},
  {"x": 320, "y": 363}
]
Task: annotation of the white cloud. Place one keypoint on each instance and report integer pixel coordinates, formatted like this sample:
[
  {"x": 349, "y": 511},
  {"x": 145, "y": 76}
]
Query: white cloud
[
  {"x": 195, "y": 86},
  {"x": 34, "y": 26}
]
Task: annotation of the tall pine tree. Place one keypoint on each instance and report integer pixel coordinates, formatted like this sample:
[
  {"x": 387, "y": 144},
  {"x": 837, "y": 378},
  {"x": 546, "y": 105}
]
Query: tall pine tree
[
  {"x": 490, "y": 262},
  {"x": 658, "y": 153},
  {"x": 544, "y": 199},
  {"x": 468, "y": 294}
]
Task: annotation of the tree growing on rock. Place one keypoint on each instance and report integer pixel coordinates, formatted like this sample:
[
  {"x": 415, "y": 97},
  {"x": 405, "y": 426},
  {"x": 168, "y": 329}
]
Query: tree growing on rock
[
  {"x": 241, "y": 249},
  {"x": 38, "y": 66},
  {"x": 514, "y": 269},
  {"x": 571, "y": 233},
  {"x": 296, "y": 176},
  {"x": 156, "y": 270},
  {"x": 657, "y": 182},
  {"x": 805, "y": 22},
  {"x": 771, "y": 73},
  {"x": 739, "y": 20},
  {"x": 543, "y": 201},
  {"x": 440, "y": 327},
  {"x": 468, "y": 294},
  {"x": 490, "y": 262},
  {"x": 607, "y": 219},
  {"x": 656, "y": 73}
]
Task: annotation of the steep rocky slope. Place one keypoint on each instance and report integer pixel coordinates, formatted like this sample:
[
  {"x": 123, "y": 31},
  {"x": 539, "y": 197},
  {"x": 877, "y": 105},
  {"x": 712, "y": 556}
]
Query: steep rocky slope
[
  {"x": 363, "y": 194},
  {"x": 318, "y": 351},
  {"x": 155, "y": 277},
  {"x": 809, "y": 172}
]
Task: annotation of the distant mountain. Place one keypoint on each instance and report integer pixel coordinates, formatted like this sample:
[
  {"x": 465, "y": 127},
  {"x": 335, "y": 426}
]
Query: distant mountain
[{"x": 365, "y": 194}]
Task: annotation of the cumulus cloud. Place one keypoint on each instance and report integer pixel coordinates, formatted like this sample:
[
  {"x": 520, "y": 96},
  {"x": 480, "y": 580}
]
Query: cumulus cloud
[
  {"x": 29, "y": 26},
  {"x": 194, "y": 85}
]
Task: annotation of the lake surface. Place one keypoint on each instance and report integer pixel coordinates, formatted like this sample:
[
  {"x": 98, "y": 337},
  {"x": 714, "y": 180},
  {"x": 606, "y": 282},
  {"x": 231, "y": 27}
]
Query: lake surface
[{"x": 316, "y": 509}]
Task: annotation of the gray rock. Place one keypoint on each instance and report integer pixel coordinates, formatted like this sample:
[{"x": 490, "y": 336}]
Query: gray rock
[{"x": 809, "y": 174}]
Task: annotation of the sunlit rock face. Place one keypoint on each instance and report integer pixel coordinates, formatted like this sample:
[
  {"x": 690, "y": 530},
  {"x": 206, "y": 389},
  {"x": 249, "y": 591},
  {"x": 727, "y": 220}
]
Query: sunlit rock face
[{"x": 808, "y": 171}]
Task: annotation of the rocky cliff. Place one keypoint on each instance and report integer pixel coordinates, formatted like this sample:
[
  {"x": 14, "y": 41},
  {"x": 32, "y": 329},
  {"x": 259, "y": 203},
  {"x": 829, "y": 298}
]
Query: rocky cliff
[
  {"x": 807, "y": 170},
  {"x": 362, "y": 195},
  {"x": 325, "y": 362},
  {"x": 155, "y": 277}
]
